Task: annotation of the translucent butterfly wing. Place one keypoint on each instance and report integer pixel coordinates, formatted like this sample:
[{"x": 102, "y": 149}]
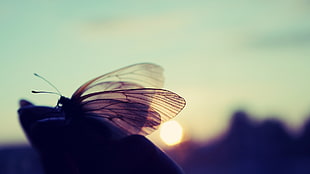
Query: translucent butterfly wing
[
  {"x": 129, "y": 99},
  {"x": 136, "y": 111},
  {"x": 144, "y": 75}
]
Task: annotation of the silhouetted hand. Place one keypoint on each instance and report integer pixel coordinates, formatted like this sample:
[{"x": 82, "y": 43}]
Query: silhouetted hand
[{"x": 89, "y": 146}]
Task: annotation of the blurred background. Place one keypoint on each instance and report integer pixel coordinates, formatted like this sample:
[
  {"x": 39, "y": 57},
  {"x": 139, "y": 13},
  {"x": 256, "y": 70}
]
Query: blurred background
[{"x": 242, "y": 66}]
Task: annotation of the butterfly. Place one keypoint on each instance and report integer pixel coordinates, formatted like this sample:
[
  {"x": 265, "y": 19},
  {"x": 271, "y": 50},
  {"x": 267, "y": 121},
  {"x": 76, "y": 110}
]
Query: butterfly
[{"x": 130, "y": 98}]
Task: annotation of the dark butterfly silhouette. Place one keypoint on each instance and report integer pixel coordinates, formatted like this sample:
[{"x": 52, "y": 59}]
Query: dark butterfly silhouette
[{"x": 130, "y": 98}]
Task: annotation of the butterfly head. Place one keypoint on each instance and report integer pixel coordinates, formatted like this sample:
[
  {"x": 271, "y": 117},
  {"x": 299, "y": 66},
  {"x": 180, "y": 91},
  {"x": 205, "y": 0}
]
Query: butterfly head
[
  {"x": 63, "y": 101},
  {"x": 69, "y": 107}
]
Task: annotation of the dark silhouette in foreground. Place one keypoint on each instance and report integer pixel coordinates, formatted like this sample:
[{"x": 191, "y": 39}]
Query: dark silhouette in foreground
[
  {"x": 88, "y": 147},
  {"x": 248, "y": 146}
]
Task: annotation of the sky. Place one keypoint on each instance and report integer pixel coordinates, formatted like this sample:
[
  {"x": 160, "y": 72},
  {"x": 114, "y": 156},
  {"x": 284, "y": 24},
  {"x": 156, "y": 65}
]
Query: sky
[{"x": 219, "y": 55}]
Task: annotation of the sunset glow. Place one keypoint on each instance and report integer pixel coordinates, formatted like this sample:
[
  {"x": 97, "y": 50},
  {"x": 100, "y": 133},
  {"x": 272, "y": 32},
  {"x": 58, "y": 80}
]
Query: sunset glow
[{"x": 171, "y": 133}]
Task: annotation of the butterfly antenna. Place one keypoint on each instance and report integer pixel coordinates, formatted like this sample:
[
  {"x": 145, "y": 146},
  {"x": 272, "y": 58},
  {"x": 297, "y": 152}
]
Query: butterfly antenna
[{"x": 36, "y": 92}]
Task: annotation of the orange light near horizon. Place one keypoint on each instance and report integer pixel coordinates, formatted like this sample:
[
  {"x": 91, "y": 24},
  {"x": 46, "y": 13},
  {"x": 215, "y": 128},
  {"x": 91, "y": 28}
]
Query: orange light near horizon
[{"x": 171, "y": 133}]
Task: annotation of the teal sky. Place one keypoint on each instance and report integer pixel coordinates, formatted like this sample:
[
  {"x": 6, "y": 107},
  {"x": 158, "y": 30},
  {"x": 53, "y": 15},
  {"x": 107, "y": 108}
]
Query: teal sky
[{"x": 219, "y": 55}]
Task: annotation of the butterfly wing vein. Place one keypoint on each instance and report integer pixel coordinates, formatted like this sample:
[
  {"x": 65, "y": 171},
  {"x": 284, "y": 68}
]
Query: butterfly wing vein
[{"x": 136, "y": 111}]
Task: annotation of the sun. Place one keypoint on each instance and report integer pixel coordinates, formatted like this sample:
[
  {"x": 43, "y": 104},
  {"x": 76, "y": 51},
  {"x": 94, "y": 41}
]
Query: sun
[{"x": 171, "y": 133}]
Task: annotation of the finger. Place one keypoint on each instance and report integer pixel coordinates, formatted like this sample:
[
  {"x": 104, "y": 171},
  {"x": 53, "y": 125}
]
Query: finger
[
  {"x": 44, "y": 127},
  {"x": 24, "y": 103}
]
